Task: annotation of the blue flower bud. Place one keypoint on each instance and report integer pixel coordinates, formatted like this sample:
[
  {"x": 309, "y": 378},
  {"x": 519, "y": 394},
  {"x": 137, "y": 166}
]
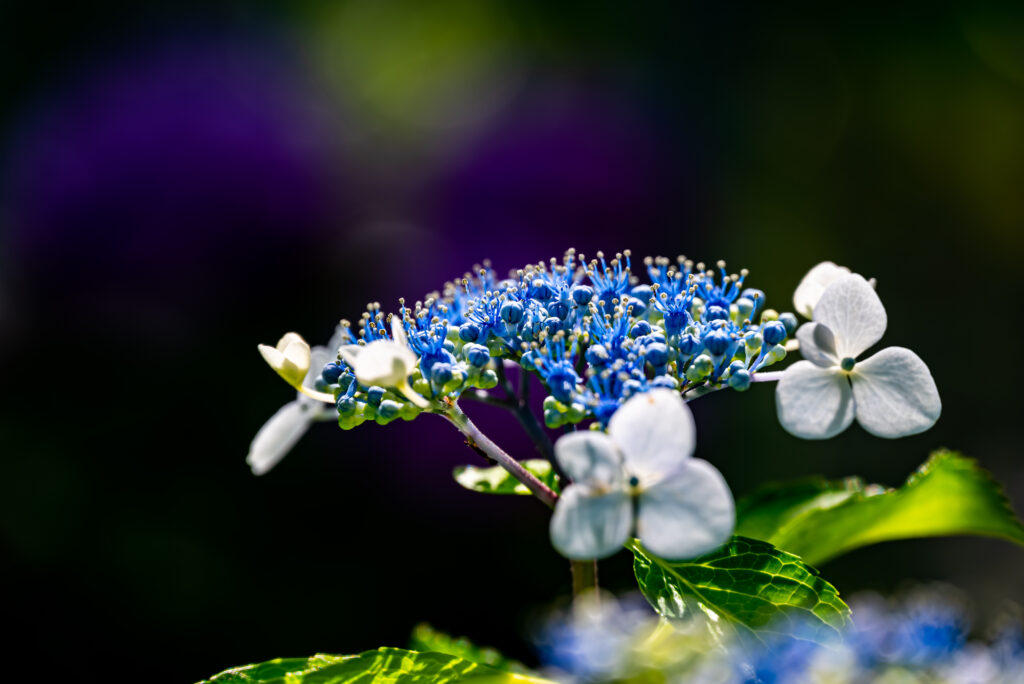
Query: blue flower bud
[
  {"x": 346, "y": 405},
  {"x": 582, "y": 294},
  {"x": 389, "y": 409},
  {"x": 666, "y": 381},
  {"x": 657, "y": 354},
  {"x": 774, "y": 332},
  {"x": 631, "y": 387},
  {"x": 717, "y": 342},
  {"x": 469, "y": 332},
  {"x": 511, "y": 312},
  {"x": 476, "y": 355},
  {"x": 331, "y": 373},
  {"x": 639, "y": 329},
  {"x": 689, "y": 344},
  {"x": 788, "y": 319},
  {"x": 740, "y": 380},
  {"x": 597, "y": 355},
  {"x": 675, "y": 321},
  {"x": 716, "y": 313},
  {"x": 744, "y": 309},
  {"x": 345, "y": 381},
  {"x": 440, "y": 373},
  {"x": 643, "y": 293},
  {"x": 558, "y": 309},
  {"x": 756, "y": 296},
  {"x": 540, "y": 291},
  {"x": 552, "y": 325},
  {"x": 374, "y": 395}
]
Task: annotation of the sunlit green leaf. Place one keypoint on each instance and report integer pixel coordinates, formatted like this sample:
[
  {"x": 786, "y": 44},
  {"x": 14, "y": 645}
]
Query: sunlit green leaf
[
  {"x": 750, "y": 585},
  {"x": 392, "y": 665},
  {"x": 426, "y": 638},
  {"x": 275, "y": 670},
  {"x": 819, "y": 520},
  {"x": 497, "y": 480}
]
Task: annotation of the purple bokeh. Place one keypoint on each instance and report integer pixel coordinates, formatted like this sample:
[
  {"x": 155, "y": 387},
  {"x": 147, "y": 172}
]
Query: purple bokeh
[
  {"x": 170, "y": 160},
  {"x": 564, "y": 168}
]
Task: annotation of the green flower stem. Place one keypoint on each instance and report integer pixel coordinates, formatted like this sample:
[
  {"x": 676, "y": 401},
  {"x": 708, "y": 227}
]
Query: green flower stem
[
  {"x": 480, "y": 441},
  {"x": 584, "y": 576}
]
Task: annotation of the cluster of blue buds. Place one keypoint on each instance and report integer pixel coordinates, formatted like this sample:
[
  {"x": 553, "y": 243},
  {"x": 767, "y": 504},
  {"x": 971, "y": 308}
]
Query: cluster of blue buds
[{"x": 593, "y": 332}]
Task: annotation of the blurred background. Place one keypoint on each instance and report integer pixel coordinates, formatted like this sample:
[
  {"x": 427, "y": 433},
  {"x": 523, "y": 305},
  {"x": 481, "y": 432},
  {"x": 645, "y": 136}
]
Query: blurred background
[{"x": 182, "y": 181}]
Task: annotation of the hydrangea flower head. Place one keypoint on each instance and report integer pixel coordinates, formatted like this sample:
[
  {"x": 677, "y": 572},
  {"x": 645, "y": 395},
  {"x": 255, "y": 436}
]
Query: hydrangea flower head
[
  {"x": 891, "y": 394},
  {"x": 639, "y": 478}
]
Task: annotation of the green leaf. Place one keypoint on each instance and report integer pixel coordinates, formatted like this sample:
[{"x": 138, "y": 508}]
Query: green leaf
[
  {"x": 426, "y": 638},
  {"x": 392, "y": 665},
  {"x": 497, "y": 480},
  {"x": 819, "y": 520},
  {"x": 275, "y": 670},
  {"x": 752, "y": 585}
]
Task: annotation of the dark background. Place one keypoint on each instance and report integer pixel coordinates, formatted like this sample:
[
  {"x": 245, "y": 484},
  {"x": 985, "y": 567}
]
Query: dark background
[{"x": 181, "y": 182}]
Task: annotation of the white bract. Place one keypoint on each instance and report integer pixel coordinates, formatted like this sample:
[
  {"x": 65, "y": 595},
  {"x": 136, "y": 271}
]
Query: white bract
[
  {"x": 813, "y": 285},
  {"x": 892, "y": 394},
  {"x": 639, "y": 478},
  {"x": 291, "y": 359},
  {"x": 286, "y": 427},
  {"x": 385, "y": 363}
]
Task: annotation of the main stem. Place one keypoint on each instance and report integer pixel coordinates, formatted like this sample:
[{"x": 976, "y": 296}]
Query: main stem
[
  {"x": 584, "y": 576},
  {"x": 481, "y": 441}
]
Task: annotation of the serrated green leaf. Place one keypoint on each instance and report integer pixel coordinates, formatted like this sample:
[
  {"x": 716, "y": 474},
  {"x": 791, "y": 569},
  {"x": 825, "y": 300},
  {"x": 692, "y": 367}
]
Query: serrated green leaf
[
  {"x": 748, "y": 583},
  {"x": 497, "y": 480},
  {"x": 426, "y": 638},
  {"x": 385, "y": 665},
  {"x": 819, "y": 520}
]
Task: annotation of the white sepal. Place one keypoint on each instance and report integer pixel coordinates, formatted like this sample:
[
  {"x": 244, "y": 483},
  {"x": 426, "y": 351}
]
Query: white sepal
[
  {"x": 895, "y": 394},
  {"x": 812, "y": 285}
]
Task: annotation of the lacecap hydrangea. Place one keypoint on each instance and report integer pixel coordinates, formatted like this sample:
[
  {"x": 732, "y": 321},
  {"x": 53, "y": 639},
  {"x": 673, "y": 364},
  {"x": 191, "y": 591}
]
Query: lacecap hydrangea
[{"x": 595, "y": 332}]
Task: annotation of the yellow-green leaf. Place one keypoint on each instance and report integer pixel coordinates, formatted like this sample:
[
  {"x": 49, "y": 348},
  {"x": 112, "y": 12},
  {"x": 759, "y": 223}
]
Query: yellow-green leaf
[
  {"x": 819, "y": 520},
  {"x": 497, "y": 480}
]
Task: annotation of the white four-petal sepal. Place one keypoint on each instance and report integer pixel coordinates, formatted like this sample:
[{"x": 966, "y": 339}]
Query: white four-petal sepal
[
  {"x": 891, "y": 394},
  {"x": 812, "y": 285},
  {"x": 639, "y": 478}
]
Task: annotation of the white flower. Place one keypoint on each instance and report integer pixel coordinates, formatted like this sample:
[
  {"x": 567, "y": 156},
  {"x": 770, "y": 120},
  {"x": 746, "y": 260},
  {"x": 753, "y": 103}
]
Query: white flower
[
  {"x": 892, "y": 394},
  {"x": 813, "y": 285},
  {"x": 285, "y": 428},
  {"x": 291, "y": 359},
  {"x": 385, "y": 363},
  {"x": 640, "y": 478}
]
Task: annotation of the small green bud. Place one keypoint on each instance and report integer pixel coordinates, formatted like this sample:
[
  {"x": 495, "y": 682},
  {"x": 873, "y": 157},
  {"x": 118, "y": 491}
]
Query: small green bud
[
  {"x": 553, "y": 419},
  {"x": 744, "y": 307},
  {"x": 776, "y": 354},
  {"x": 409, "y": 411},
  {"x": 488, "y": 379},
  {"x": 577, "y": 412},
  {"x": 422, "y": 386},
  {"x": 769, "y": 315}
]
